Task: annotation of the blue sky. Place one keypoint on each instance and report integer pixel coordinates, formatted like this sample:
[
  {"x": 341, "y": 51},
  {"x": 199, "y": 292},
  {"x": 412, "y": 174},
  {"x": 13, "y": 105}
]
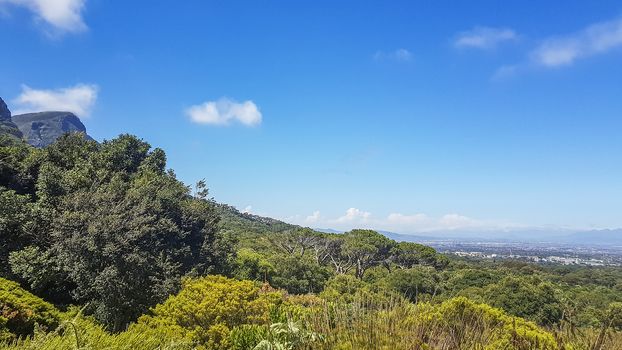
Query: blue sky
[{"x": 399, "y": 115}]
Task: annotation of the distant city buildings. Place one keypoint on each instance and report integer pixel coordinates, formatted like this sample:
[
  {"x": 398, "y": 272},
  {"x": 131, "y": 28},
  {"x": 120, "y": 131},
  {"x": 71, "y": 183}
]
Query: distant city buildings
[
  {"x": 533, "y": 252},
  {"x": 549, "y": 259}
]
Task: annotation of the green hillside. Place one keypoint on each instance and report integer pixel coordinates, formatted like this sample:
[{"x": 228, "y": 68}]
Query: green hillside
[{"x": 238, "y": 223}]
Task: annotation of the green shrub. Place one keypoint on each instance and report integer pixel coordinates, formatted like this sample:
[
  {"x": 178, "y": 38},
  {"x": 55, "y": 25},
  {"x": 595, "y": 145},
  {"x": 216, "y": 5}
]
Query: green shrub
[
  {"x": 526, "y": 297},
  {"x": 342, "y": 287},
  {"x": 416, "y": 283},
  {"x": 299, "y": 275},
  {"x": 464, "y": 324},
  {"x": 206, "y": 309},
  {"x": 82, "y": 333},
  {"x": 458, "y": 323},
  {"x": 246, "y": 337},
  {"x": 250, "y": 265},
  {"x": 20, "y": 310}
]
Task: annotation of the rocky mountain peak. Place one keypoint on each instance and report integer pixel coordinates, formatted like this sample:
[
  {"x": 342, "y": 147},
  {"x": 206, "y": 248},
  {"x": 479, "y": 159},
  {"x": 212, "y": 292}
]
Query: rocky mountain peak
[
  {"x": 43, "y": 128},
  {"x": 5, "y": 114},
  {"x": 6, "y": 125},
  {"x": 39, "y": 129}
]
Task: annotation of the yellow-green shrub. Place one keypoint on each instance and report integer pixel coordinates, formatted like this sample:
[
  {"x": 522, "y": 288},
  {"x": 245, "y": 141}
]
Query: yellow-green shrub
[
  {"x": 456, "y": 324},
  {"x": 462, "y": 323},
  {"x": 79, "y": 332},
  {"x": 20, "y": 310},
  {"x": 207, "y": 308}
]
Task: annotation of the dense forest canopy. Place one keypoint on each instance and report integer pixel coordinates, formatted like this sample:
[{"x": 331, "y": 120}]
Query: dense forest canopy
[
  {"x": 104, "y": 225},
  {"x": 103, "y": 239}
]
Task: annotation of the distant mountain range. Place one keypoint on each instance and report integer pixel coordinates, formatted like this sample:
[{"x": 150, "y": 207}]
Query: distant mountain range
[
  {"x": 543, "y": 236},
  {"x": 540, "y": 236},
  {"x": 600, "y": 237}
]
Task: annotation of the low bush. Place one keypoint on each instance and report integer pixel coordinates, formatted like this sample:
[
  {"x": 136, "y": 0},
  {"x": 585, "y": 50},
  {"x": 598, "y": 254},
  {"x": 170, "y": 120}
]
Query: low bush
[
  {"x": 21, "y": 310},
  {"x": 208, "y": 308},
  {"x": 458, "y": 323},
  {"x": 80, "y": 333}
]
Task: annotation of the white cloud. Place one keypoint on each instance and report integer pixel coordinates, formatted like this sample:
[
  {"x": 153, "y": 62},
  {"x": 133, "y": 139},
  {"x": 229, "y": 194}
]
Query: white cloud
[
  {"x": 398, "y": 222},
  {"x": 354, "y": 215},
  {"x": 313, "y": 218},
  {"x": 593, "y": 40},
  {"x": 78, "y": 99},
  {"x": 401, "y": 219},
  {"x": 61, "y": 15},
  {"x": 225, "y": 111},
  {"x": 455, "y": 221},
  {"x": 484, "y": 37},
  {"x": 424, "y": 223},
  {"x": 400, "y": 55}
]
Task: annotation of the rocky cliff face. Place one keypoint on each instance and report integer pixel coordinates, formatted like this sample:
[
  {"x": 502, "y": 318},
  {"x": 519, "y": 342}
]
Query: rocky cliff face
[
  {"x": 43, "y": 128},
  {"x": 6, "y": 124},
  {"x": 4, "y": 111}
]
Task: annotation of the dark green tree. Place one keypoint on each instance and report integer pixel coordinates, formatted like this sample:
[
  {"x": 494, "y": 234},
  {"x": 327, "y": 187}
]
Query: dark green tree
[
  {"x": 527, "y": 297},
  {"x": 116, "y": 229},
  {"x": 299, "y": 275},
  {"x": 16, "y": 225},
  {"x": 365, "y": 248},
  {"x": 415, "y": 282},
  {"x": 407, "y": 254}
]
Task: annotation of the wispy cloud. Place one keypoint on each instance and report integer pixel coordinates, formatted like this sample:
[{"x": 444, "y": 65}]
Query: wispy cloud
[
  {"x": 484, "y": 37},
  {"x": 423, "y": 223},
  {"x": 596, "y": 39},
  {"x": 78, "y": 99},
  {"x": 397, "y": 222},
  {"x": 399, "y": 55},
  {"x": 401, "y": 219},
  {"x": 225, "y": 111},
  {"x": 60, "y": 15},
  {"x": 505, "y": 72},
  {"x": 313, "y": 218}
]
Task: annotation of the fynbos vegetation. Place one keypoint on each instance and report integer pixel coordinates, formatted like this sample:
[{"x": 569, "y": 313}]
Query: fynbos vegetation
[{"x": 101, "y": 247}]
